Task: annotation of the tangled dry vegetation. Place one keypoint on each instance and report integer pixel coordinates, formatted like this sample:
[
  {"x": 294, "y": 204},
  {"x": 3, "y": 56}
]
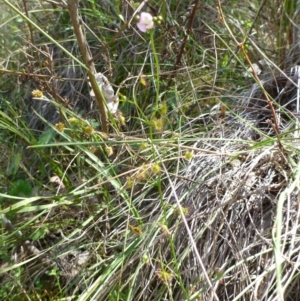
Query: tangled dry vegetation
[
  {"x": 239, "y": 196},
  {"x": 207, "y": 210}
]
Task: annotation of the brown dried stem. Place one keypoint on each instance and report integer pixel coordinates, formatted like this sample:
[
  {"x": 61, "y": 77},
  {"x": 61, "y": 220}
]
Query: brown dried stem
[
  {"x": 269, "y": 102},
  {"x": 183, "y": 44},
  {"x": 87, "y": 58}
]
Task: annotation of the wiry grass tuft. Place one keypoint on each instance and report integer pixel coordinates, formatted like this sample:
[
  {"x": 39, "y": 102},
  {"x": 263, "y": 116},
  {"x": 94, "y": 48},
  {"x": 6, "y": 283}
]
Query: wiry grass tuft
[{"x": 189, "y": 192}]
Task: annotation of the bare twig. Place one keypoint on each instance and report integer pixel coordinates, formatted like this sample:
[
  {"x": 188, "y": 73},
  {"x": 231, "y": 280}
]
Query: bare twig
[
  {"x": 42, "y": 76},
  {"x": 87, "y": 57},
  {"x": 269, "y": 102},
  {"x": 188, "y": 30},
  {"x": 183, "y": 44}
]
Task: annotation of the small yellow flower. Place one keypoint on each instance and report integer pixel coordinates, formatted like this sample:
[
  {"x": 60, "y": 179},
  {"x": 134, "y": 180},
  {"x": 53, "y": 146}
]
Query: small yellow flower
[
  {"x": 163, "y": 108},
  {"x": 88, "y": 130},
  {"x": 144, "y": 146},
  {"x": 145, "y": 167},
  {"x": 164, "y": 276},
  {"x": 156, "y": 168},
  {"x": 129, "y": 182},
  {"x": 136, "y": 229},
  {"x": 60, "y": 126},
  {"x": 122, "y": 119},
  {"x": 142, "y": 173},
  {"x": 92, "y": 149},
  {"x": 103, "y": 135},
  {"x": 37, "y": 94},
  {"x": 158, "y": 124},
  {"x": 109, "y": 151},
  {"x": 145, "y": 259},
  {"x": 185, "y": 211},
  {"x": 188, "y": 155},
  {"x": 141, "y": 176},
  {"x": 73, "y": 121}
]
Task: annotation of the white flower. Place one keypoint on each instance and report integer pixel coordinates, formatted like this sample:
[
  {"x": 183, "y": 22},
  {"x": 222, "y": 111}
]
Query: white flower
[{"x": 146, "y": 22}]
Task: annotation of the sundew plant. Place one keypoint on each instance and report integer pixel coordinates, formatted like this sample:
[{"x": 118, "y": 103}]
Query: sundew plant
[{"x": 149, "y": 150}]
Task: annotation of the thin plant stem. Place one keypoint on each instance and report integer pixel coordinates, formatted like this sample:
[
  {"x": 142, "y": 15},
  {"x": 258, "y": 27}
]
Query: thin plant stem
[
  {"x": 157, "y": 67},
  {"x": 269, "y": 102},
  {"x": 87, "y": 57}
]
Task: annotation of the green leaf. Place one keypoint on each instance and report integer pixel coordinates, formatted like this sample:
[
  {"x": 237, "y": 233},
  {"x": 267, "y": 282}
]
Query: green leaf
[
  {"x": 14, "y": 166},
  {"x": 20, "y": 188},
  {"x": 47, "y": 136},
  {"x": 40, "y": 233}
]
